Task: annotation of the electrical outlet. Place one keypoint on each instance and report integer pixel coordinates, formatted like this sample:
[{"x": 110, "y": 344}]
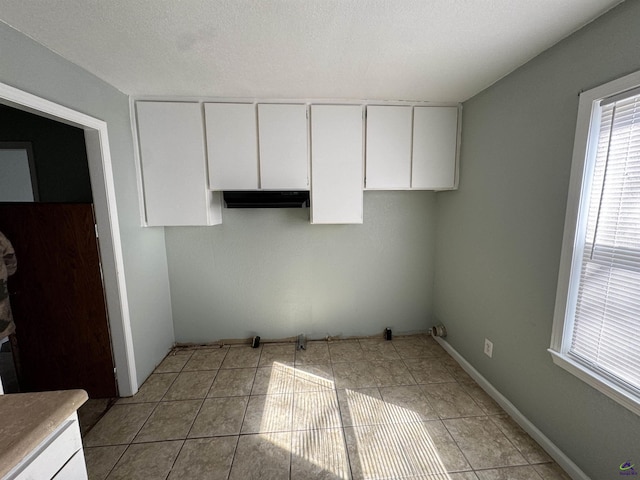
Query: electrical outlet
[{"x": 488, "y": 347}]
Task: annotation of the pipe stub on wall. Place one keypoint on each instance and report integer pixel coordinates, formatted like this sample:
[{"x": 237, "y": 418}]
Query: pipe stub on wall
[{"x": 438, "y": 331}]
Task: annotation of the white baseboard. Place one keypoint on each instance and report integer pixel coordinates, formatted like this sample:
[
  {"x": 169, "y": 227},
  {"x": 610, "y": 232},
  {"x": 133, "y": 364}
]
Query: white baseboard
[{"x": 558, "y": 455}]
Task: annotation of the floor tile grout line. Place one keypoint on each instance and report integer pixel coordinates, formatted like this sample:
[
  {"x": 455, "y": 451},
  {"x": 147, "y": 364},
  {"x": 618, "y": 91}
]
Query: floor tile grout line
[
  {"x": 116, "y": 462},
  {"x": 291, "y": 448},
  {"x": 175, "y": 459},
  {"x": 508, "y": 437},
  {"x": 511, "y": 466},
  {"x": 144, "y": 423},
  {"x": 168, "y": 388},
  {"x": 342, "y": 427},
  {"x": 188, "y": 397},
  {"x": 458, "y": 446},
  {"x": 233, "y": 459},
  {"x": 194, "y": 419},
  {"x": 174, "y": 380},
  {"x": 235, "y": 451},
  {"x": 206, "y": 395},
  {"x": 246, "y": 407}
]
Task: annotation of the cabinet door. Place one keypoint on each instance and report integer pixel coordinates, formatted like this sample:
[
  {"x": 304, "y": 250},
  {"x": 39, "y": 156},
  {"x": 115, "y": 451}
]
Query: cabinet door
[
  {"x": 232, "y": 146},
  {"x": 435, "y": 138},
  {"x": 74, "y": 469},
  {"x": 388, "y": 156},
  {"x": 173, "y": 165},
  {"x": 50, "y": 458},
  {"x": 336, "y": 163},
  {"x": 283, "y": 132}
]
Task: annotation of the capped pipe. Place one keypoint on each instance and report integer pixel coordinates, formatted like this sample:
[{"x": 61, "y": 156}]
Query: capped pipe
[{"x": 438, "y": 331}]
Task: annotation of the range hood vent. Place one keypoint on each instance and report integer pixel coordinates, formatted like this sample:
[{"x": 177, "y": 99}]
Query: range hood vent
[{"x": 266, "y": 199}]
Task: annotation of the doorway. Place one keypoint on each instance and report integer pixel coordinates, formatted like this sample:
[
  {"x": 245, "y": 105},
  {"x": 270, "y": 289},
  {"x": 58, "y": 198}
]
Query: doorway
[
  {"x": 46, "y": 210},
  {"x": 62, "y": 337},
  {"x": 101, "y": 176}
]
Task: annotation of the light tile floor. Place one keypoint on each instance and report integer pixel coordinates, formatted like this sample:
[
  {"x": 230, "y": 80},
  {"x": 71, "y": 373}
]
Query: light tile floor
[{"x": 361, "y": 409}]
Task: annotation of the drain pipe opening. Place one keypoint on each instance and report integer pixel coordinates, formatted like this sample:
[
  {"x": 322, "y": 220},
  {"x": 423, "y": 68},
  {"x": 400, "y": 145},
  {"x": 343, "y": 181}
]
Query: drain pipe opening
[{"x": 438, "y": 331}]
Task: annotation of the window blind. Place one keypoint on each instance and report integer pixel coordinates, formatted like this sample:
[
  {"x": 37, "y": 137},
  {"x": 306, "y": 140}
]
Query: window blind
[{"x": 606, "y": 328}]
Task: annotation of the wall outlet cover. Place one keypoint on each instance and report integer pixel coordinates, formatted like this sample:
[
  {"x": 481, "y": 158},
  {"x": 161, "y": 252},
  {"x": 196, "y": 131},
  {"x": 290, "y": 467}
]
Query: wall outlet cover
[{"x": 488, "y": 347}]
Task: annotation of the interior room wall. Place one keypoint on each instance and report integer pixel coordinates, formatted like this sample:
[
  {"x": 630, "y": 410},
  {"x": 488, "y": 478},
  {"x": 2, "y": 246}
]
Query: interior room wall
[
  {"x": 29, "y": 66},
  {"x": 499, "y": 239},
  {"x": 59, "y": 154},
  {"x": 268, "y": 272}
]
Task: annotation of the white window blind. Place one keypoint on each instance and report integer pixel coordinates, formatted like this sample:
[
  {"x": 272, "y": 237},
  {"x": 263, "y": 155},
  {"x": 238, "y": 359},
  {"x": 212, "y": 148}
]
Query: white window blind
[{"x": 606, "y": 326}]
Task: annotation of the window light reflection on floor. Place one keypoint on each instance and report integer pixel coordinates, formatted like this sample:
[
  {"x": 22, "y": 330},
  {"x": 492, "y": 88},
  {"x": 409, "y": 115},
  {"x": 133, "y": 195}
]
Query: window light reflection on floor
[{"x": 393, "y": 441}]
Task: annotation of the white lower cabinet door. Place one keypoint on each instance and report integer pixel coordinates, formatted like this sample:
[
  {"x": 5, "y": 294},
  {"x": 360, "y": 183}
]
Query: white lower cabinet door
[
  {"x": 336, "y": 164},
  {"x": 58, "y": 456},
  {"x": 435, "y": 143},
  {"x": 172, "y": 155},
  {"x": 74, "y": 469}
]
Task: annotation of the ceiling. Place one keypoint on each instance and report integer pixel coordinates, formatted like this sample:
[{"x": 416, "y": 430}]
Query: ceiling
[{"x": 431, "y": 50}]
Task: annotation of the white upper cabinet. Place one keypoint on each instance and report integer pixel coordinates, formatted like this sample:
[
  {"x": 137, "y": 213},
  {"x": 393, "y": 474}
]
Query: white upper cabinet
[
  {"x": 435, "y": 139},
  {"x": 388, "y": 157},
  {"x": 284, "y": 159},
  {"x": 336, "y": 164},
  {"x": 173, "y": 164},
  {"x": 275, "y": 146},
  {"x": 232, "y": 146}
]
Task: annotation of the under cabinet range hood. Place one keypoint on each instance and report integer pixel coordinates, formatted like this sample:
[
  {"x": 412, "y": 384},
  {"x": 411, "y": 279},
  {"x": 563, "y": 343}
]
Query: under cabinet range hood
[{"x": 266, "y": 199}]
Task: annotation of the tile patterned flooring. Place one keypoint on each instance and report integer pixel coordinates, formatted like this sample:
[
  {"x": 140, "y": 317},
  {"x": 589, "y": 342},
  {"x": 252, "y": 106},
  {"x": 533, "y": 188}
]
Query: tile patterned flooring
[{"x": 361, "y": 409}]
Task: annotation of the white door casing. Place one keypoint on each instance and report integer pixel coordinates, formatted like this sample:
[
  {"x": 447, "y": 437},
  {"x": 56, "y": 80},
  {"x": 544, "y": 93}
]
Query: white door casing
[{"x": 104, "y": 199}]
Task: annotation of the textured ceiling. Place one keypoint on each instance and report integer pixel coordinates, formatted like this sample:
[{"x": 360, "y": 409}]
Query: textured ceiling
[{"x": 434, "y": 50}]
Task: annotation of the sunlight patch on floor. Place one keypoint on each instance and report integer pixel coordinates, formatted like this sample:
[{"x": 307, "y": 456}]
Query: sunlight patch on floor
[{"x": 393, "y": 441}]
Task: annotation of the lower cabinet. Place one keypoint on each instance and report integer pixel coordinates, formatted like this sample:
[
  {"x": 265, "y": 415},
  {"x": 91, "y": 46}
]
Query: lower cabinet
[
  {"x": 336, "y": 164},
  {"x": 58, "y": 456},
  {"x": 75, "y": 468}
]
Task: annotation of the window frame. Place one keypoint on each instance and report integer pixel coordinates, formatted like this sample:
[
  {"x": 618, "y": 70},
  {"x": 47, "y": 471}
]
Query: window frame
[{"x": 583, "y": 160}]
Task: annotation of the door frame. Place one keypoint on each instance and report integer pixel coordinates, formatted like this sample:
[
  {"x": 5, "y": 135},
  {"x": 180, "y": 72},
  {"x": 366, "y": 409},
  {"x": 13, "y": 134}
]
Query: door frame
[{"x": 106, "y": 213}]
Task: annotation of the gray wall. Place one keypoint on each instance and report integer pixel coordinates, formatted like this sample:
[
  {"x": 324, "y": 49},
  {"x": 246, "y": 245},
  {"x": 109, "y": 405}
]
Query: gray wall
[
  {"x": 28, "y": 66},
  {"x": 499, "y": 239},
  {"x": 269, "y": 272}
]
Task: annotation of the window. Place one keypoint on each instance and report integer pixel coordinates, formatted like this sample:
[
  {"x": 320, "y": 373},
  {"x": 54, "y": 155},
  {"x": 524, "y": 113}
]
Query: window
[{"x": 596, "y": 331}]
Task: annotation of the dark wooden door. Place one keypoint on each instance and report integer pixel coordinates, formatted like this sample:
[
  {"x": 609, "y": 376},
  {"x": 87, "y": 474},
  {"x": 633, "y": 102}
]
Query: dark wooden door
[{"x": 57, "y": 299}]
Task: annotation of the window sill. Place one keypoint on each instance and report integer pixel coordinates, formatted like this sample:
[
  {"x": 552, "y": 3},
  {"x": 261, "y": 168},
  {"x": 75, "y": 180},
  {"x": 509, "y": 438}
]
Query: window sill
[{"x": 602, "y": 384}]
